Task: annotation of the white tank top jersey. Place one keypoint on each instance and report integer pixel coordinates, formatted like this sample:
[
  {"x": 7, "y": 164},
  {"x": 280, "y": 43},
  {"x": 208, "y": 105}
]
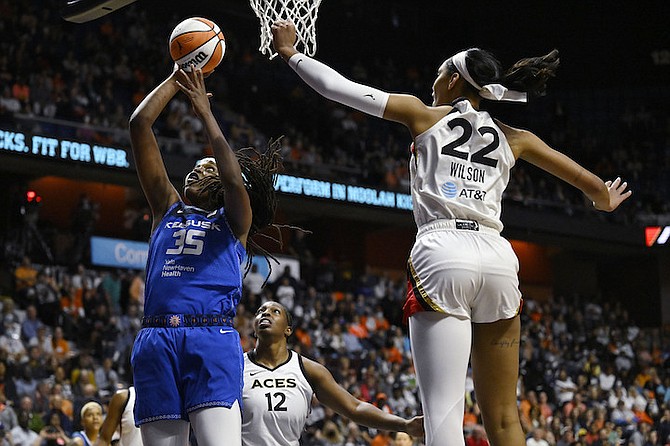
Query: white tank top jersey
[
  {"x": 130, "y": 435},
  {"x": 460, "y": 167},
  {"x": 276, "y": 402}
]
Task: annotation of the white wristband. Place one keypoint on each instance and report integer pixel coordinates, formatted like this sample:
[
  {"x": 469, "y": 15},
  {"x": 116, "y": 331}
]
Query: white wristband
[{"x": 332, "y": 85}]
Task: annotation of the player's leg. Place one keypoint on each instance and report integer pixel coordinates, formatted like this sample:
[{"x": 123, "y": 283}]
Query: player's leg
[
  {"x": 214, "y": 426},
  {"x": 165, "y": 433},
  {"x": 441, "y": 349},
  {"x": 495, "y": 370},
  {"x": 213, "y": 367}
]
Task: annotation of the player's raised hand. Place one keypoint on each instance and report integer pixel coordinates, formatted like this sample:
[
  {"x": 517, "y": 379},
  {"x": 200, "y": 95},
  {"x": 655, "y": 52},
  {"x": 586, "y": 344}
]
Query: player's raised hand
[
  {"x": 283, "y": 38},
  {"x": 192, "y": 83},
  {"x": 617, "y": 194}
]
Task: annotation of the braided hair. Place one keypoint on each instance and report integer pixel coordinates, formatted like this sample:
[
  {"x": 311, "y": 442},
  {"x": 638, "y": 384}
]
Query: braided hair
[{"x": 259, "y": 173}]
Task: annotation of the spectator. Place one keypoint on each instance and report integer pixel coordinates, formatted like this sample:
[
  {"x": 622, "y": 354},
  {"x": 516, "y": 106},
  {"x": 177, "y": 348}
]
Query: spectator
[
  {"x": 58, "y": 407},
  {"x": 111, "y": 288},
  {"x": 7, "y": 387},
  {"x": 8, "y": 418},
  {"x": 253, "y": 281},
  {"x": 61, "y": 347},
  {"x": 383, "y": 438},
  {"x": 48, "y": 298},
  {"x": 53, "y": 433},
  {"x": 22, "y": 435},
  {"x": 564, "y": 387},
  {"x": 35, "y": 422},
  {"x": 26, "y": 384},
  {"x": 477, "y": 437},
  {"x": 286, "y": 293},
  {"x": 106, "y": 378},
  {"x": 12, "y": 345},
  {"x": 537, "y": 438},
  {"x": 25, "y": 276},
  {"x": 30, "y": 325}
]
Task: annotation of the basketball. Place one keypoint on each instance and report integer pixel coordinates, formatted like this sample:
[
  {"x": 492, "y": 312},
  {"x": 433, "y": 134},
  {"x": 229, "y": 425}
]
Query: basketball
[{"x": 199, "y": 42}]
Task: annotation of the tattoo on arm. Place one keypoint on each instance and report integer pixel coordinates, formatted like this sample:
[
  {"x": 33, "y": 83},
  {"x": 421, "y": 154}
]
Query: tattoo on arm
[{"x": 506, "y": 343}]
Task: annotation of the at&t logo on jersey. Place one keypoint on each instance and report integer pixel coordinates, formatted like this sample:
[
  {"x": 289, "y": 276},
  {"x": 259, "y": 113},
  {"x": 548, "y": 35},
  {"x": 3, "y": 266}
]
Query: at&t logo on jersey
[{"x": 450, "y": 190}]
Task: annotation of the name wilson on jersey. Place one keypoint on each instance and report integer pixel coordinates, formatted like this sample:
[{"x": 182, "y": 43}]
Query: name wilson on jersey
[{"x": 468, "y": 173}]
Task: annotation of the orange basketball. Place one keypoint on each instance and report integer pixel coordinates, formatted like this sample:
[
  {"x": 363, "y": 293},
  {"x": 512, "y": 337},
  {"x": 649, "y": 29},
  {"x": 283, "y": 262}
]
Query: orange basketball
[{"x": 199, "y": 42}]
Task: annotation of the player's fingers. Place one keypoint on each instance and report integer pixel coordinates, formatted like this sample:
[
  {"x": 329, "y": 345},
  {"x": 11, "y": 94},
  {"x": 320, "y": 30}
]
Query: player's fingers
[
  {"x": 182, "y": 87},
  {"x": 184, "y": 78},
  {"x": 192, "y": 75}
]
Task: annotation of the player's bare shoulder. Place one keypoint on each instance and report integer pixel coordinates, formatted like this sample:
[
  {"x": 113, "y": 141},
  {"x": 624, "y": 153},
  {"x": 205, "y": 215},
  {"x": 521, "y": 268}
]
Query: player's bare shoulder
[{"x": 517, "y": 139}]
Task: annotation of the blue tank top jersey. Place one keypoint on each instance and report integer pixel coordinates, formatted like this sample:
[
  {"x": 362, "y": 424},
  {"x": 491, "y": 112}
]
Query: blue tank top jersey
[{"x": 193, "y": 266}]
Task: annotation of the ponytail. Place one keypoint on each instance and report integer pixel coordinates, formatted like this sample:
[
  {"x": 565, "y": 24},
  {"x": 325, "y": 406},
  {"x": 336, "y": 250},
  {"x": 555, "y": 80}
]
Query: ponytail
[
  {"x": 528, "y": 75},
  {"x": 531, "y": 74}
]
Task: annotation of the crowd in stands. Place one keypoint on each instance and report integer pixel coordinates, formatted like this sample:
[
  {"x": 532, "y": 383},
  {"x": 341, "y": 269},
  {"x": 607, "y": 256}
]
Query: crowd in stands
[
  {"x": 589, "y": 375},
  {"x": 96, "y": 74}
]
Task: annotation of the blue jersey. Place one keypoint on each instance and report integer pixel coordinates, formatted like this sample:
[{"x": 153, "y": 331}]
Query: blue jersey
[
  {"x": 83, "y": 436},
  {"x": 193, "y": 265}
]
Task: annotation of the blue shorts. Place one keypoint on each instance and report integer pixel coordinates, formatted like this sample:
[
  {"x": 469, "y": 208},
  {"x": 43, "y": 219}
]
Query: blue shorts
[{"x": 179, "y": 370}]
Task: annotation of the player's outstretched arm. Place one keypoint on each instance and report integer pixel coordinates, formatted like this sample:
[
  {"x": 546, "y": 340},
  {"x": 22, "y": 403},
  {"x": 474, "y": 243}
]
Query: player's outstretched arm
[
  {"x": 605, "y": 195},
  {"x": 113, "y": 418},
  {"x": 334, "y": 396},
  {"x": 160, "y": 193},
  {"x": 403, "y": 108},
  {"x": 238, "y": 207}
]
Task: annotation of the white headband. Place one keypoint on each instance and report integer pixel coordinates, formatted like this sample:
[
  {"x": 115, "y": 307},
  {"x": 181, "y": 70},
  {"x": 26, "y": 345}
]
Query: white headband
[{"x": 494, "y": 92}]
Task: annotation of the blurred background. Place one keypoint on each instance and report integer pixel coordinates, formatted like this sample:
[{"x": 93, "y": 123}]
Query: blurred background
[{"x": 74, "y": 223}]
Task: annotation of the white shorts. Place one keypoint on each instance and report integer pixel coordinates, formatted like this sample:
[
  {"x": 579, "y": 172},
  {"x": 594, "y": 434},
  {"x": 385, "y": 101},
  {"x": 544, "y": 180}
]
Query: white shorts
[{"x": 470, "y": 274}]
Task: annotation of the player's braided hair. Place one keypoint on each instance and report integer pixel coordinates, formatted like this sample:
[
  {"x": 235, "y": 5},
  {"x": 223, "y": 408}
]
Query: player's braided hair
[
  {"x": 259, "y": 172},
  {"x": 530, "y": 74}
]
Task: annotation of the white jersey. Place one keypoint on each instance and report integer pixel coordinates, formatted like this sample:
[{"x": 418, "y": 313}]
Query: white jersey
[
  {"x": 276, "y": 403},
  {"x": 460, "y": 167},
  {"x": 130, "y": 435}
]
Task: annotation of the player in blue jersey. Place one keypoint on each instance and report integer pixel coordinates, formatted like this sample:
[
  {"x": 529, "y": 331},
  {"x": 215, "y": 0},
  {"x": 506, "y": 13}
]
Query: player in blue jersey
[
  {"x": 464, "y": 299},
  {"x": 187, "y": 359}
]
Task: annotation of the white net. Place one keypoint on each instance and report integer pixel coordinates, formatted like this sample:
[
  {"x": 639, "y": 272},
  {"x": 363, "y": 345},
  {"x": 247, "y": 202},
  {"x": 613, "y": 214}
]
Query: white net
[{"x": 302, "y": 13}]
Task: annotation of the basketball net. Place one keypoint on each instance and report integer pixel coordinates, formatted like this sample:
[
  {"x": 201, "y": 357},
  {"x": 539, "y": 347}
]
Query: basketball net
[{"x": 302, "y": 13}]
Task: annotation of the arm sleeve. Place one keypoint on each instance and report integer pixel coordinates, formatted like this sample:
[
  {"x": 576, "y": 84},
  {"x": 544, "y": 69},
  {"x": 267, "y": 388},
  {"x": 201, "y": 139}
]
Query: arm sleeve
[{"x": 332, "y": 85}]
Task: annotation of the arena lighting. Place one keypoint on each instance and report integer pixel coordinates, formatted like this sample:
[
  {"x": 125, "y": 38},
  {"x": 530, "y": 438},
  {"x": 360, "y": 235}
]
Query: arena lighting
[
  {"x": 656, "y": 235},
  {"x": 81, "y": 11},
  {"x": 31, "y": 196}
]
